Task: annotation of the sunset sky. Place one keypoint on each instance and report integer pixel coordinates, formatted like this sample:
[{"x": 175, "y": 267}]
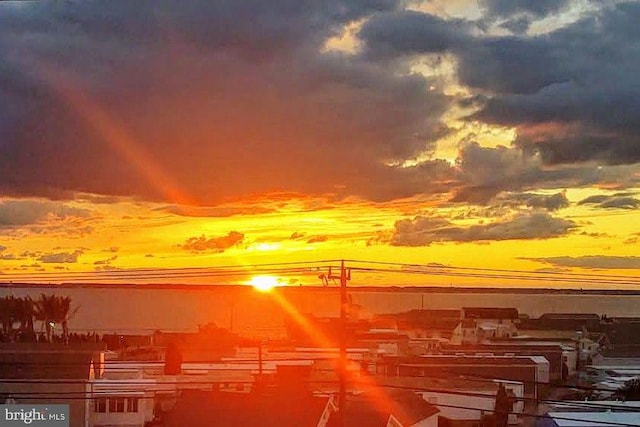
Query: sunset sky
[{"x": 499, "y": 134}]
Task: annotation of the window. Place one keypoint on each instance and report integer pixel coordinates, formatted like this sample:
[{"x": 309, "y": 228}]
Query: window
[
  {"x": 116, "y": 404},
  {"x": 100, "y": 405},
  {"x": 132, "y": 404},
  {"x": 119, "y": 404}
]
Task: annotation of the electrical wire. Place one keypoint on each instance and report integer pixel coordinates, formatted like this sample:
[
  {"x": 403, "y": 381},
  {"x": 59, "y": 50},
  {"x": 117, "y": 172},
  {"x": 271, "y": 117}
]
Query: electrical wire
[
  {"x": 498, "y": 276},
  {"x": 282, "y": 268},
  {"x": 101, "y": 394},
  {"x": 150, "y": 365},
  {"x": 101, "y": 386},
  {"x": 307, "y": 267},
  {"x": 153, "y": 273},
  {"x": 498, "y": 270}
]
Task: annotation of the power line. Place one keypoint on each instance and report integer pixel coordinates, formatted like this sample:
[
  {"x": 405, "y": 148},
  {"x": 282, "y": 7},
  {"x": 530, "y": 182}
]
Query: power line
[
  {"x": 109, "y": 367},
  {"x": 444, "y": 267},
  {"x": 307, "y": 267},
  {"x": 421, "y": 388},
  {"x": 158, "y": 274},
  {"x": 124, "y": 394},
  {"x": 463, "y": 378},
  {"x": 145, "y": 273},
  {"x": 537, "y": 416},
  {"x": 498, "y": 276}
]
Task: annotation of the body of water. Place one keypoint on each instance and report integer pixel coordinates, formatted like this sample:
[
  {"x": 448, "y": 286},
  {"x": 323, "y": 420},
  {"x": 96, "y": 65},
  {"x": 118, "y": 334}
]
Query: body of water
[{"x": 254, "y": 314}]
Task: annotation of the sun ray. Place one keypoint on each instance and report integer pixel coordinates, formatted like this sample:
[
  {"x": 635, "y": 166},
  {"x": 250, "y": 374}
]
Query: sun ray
[
  {"x": 112, "y": 132},
  {"x": 380, "y": 397}
]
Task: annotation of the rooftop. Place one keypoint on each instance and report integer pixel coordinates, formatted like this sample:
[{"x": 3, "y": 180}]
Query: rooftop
[
  {"x": 471, "y": 359},
  {"x": 508, "y": 346},
  {"x": 489, "y": 313},
  {"x": 366, "y": 410},
  {"x": 46, "y": 365},
  {"x": 590, "y": 419},
  {"x": 572, "y": 316},
  {"x": 448, "y": 383},
  {"x": 211, "y": 409}
]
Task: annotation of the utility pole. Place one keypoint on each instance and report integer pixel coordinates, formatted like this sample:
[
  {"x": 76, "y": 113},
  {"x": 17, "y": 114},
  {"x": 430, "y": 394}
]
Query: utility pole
[
  {"x": 260, "y": 362},
  {"x": 342, "y": 372}
]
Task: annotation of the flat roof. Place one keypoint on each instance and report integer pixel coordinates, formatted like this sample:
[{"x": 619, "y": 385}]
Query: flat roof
[
  {"x": 593, "y": 419},
  {"x": 507, "y": 345},
  {"x": 211, "y": 366},
  {"x": 582, "y": 403},
  {"x": 467, "y": 359},
  {"x": 447, "y": 384},
  {"x": 477, "y": 364}
]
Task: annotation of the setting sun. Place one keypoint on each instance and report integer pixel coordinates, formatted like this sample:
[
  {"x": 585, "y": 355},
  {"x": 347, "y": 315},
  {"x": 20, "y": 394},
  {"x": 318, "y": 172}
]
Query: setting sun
[{"x": 264, "y": 283}]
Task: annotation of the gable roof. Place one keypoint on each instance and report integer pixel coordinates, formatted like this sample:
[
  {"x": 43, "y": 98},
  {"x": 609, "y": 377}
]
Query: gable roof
[
  {"x": 366, "y": 410},
  {"x": 200, "y": 408}
]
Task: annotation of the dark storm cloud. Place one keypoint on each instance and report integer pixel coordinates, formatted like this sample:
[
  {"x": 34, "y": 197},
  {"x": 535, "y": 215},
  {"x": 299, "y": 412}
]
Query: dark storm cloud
[
  {"x": 517, "y": 15},
  {"x": 412, "y": 32},
  {"x": 582, "y": 145},
  {"x": 572, "y": 93},
  {"x": 579, "y": 81},
  {"x": 503, "y": 64},
  {"x": 517, "y": 25},
  {"x": 15, "y": 213},
  {"x": 540, "y": 8},
  {"x": 423, "y": 231},
  {"x": 252, "y": 27},
  {"x": 227, "y": 98},
  {"x": 219, "y": 100},
  {"x": 550, "y": 202},
  {"x": 484, "y": 172},
  {"x": 616, "y": 201},
  {"x": 491, "y": 170},
  {"x": 510, "y": 65}
]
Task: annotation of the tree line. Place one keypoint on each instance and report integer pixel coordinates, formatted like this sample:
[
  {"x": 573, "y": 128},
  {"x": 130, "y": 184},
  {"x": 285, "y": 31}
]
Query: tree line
[{"x": 18, "y": 315}]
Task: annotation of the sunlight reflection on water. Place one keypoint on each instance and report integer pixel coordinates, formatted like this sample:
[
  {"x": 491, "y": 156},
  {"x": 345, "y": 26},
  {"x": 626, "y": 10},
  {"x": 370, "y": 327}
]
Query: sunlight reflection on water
[{"x": 255, "y": 314}]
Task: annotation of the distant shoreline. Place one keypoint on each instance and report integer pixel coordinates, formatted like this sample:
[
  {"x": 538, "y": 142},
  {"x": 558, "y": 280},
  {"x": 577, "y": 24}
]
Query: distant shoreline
[{"x": 352, "y": 288}]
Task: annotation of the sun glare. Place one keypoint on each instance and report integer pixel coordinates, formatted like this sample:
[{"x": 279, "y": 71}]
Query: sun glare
[{"x": 264, "y": 283}]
